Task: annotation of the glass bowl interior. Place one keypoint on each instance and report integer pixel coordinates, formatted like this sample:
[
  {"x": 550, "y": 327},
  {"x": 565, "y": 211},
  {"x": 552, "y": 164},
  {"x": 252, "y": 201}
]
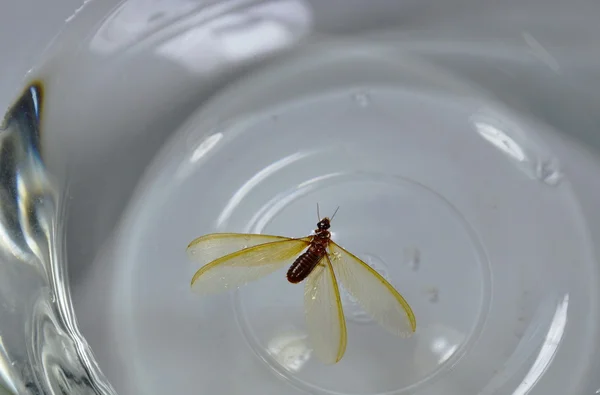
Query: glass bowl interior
[{"x": 455, "y": 180}]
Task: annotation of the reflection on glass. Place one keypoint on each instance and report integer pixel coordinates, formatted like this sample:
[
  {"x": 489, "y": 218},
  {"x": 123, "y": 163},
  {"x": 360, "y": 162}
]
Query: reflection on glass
[
  {"x": 290, "y": 350},
  {"x": 205, "y": 147},
  {"x": 436, "y": 345},
  {"x": 210, "y": 142},
  {"x": 237, "y": 36},
  {"x": 41, "y": 349},
  {"x": 278, "y": 202},
  {"x": 524, "y": 150},
  {"x": 548, "y": 350},
  {"x": 254, "y": 181},
  {"x": 443, "y": 349},
  {"x": 541, "y": 53},
  {"x": 500, "y": 140},
  {"x": 203, "y": 36},
  {"x": 137, "y": 19}
]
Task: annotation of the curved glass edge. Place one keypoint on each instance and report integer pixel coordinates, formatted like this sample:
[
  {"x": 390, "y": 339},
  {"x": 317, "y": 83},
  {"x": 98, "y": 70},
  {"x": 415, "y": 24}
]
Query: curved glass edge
[{"x": 41, "y": 349}]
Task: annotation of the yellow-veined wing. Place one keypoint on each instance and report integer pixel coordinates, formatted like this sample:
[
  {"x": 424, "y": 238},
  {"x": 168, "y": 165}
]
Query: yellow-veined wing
[
  {"x": 324, "y": 316},
  {"x": 207, "y": 248},
  {"x": 232, "y": 259},
  {"x": 375, "y": 295}
]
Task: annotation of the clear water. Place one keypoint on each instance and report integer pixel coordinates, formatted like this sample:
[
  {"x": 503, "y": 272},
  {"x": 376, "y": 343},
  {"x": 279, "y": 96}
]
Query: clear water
[{"x": 474, "y": 210}]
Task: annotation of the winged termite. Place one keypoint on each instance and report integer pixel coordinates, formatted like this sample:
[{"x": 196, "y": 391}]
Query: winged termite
[{"x": 231, "y": 260}]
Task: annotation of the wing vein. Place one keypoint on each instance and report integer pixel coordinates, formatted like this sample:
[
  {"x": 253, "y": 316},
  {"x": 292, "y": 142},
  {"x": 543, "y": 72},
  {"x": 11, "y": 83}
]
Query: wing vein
[{"x": 373, "y": 292}]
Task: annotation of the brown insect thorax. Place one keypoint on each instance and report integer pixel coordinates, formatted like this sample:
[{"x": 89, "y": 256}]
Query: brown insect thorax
[{"x": 305, "y": 263}]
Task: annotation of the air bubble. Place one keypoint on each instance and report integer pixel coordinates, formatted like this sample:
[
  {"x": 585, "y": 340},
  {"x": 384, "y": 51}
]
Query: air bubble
[
  {"x": 362, "y": 99},
  {"x": 433, "y": 294},
  {"x": 377, "y": 264},
  {"x": 548, "y": 173},
  {"x": 412, "y": 258}
]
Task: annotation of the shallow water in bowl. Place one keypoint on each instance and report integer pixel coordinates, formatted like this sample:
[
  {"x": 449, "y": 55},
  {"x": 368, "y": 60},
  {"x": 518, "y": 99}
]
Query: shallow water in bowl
[
  {"x": 462, "y": 204},
  {"x": 465, "y": 206}
]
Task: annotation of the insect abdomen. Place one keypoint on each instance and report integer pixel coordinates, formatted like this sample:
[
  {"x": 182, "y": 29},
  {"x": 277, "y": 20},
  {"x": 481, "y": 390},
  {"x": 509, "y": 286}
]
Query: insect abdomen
[{"x": 303, "y": 265}]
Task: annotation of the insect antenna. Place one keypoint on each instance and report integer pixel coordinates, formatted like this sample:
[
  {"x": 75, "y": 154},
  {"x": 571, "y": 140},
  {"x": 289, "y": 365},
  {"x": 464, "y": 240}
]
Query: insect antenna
[
  {"x": 318, "y": 215},
  {"x": 334, "y": 213}
]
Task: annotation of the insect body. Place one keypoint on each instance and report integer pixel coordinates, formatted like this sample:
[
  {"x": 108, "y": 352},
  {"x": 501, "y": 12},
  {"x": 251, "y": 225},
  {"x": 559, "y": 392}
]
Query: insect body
[
  {"x": 306, "y": 262},
  {"x": 230, "y": 260}
]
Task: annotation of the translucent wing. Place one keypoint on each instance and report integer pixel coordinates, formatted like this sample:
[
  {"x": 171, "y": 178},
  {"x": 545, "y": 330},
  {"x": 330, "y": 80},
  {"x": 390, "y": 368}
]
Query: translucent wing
[
  {"x": 324, "y": 316},
  {"x": 263, "y": 255},
  {"x": 206, "y": 249},
  {"x": 375, "y": 295}
]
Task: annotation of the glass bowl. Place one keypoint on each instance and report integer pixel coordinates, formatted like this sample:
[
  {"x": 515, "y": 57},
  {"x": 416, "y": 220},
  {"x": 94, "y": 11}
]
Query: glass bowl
[{"x": 463, "y": 159}]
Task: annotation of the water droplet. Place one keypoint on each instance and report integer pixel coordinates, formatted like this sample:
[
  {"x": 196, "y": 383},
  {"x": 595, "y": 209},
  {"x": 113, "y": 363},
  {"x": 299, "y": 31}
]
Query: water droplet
[
  {"x": 362, "y": 99},
  {"x": 548, "y": 173},
  {"x": 377, "y": 264},
  {"x": 433, "y": 294},
  {"x": 353, "y": 310},
  {"x": 412, "y": 258}
]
